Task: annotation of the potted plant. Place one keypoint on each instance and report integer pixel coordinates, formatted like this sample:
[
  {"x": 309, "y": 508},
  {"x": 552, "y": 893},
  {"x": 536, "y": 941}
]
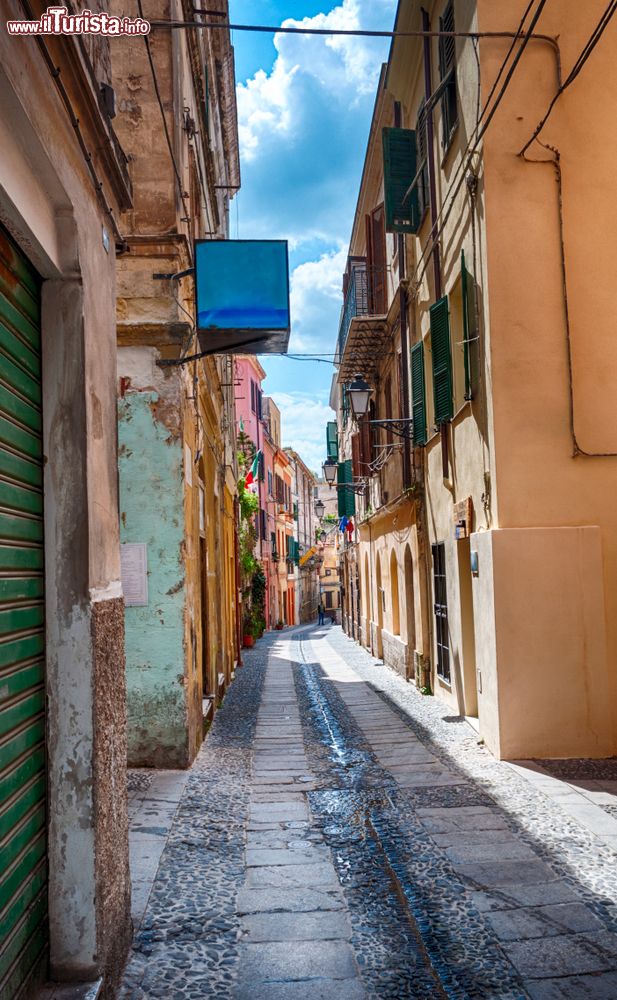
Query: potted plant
[
  {"x": 248, "y": 629},
  {"x": 279, "y": 625}
]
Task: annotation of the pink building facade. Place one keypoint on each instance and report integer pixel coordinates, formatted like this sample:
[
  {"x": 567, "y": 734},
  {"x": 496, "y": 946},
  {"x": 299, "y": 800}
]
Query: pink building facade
[{"x": 250, "y": 417}]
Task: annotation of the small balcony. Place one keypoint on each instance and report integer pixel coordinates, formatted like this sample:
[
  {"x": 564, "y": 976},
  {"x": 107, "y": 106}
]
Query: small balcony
[{"x": 356, "y": 303}]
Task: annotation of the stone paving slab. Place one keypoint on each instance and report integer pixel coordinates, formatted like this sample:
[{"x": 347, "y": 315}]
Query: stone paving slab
[
  {"x": 312, "y": 926},
  {"x": 602, "y": 986},
  {"x": 275, "y": 961},
  {"x": 296, "y": 900},
  {"x": 311, "y": 989},
  {"x": 543, "y": 921}
]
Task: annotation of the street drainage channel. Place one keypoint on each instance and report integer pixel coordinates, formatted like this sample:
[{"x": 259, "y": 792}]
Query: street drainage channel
[{"x": 391, "y": 935}]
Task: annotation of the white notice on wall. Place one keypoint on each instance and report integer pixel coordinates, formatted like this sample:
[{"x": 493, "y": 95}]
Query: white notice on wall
[
  {"x": 134, "y": 565},
  {"x": 188, "y": 465}
]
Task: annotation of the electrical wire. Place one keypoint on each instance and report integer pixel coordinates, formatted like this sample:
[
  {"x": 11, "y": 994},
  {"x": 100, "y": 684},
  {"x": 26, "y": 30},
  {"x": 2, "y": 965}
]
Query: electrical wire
[
  {"x": 574, "y": 72},
  {"x": 479, "y": 132},
  {"x": 344, "y": 32},
  {"x": 165, "y": 126},
  {"x": 55, "y": 73}
]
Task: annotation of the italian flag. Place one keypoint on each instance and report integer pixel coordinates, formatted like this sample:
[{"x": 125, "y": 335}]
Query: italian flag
[{"x": 251, "y": 479}]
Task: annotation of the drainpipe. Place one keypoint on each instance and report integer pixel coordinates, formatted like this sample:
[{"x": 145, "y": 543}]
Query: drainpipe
[
  {"x": 237, "y": 561},
  {"x": 402, "y": 274},
  {"x": 430, "y": 136}
]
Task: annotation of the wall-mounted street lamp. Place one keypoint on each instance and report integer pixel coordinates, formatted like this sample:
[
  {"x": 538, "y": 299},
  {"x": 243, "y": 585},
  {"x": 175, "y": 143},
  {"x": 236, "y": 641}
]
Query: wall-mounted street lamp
[
  {"x": 320, "y": 509},
  {"x": 360, "y": 393},
  {"x": 329, "y": 470}
]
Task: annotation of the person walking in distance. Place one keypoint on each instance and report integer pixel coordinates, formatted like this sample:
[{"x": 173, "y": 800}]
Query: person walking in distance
[{"x": 320, "y": 611}]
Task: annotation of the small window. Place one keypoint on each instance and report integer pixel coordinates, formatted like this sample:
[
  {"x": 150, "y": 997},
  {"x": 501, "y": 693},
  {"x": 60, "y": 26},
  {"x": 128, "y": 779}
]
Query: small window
[{"x": 447, "y": 76}]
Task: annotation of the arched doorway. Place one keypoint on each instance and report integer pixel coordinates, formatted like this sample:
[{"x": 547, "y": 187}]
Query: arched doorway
[
  {"x": 394, "y": 595},
  {"x": 410, "y": 602},
  {"x": 410, "y": 611},
  {"x": 380, "y": 606}
]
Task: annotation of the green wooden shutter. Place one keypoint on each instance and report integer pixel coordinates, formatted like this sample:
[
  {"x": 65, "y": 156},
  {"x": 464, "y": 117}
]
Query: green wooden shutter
[
  {"x": 346, "y": 497},
  {"x": 341, "y": 491},
  {"x": 399, "y": 171},
  {"x": 470, "y": 331},
  {"x": 23, "y": 865},
  {"x": 418, "y": 394},
  {"x": 350, "y": 496},
  {"x": 332, "y": 440},
  {"x": 442, "y": 361}
]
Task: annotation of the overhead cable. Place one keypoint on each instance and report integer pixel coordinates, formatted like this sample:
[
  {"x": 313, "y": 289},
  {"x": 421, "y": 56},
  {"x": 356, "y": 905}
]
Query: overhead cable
[
  {"x": 165, "y": 125},
  {"x": 578, "y": 65},
  {"x": 456, "y": 185}
]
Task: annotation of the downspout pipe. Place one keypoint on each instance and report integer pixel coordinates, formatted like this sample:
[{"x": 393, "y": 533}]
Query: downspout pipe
[
  {"x": 430, "y": 137},
  {"x": 237, "y": 598}
]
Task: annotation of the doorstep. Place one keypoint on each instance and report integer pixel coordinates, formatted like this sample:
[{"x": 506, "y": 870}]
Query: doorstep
[{"x": 70, "y": 991}]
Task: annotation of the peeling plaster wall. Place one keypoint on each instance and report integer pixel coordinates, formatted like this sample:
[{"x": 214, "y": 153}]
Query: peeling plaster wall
[{"x": 152, "y": 511}]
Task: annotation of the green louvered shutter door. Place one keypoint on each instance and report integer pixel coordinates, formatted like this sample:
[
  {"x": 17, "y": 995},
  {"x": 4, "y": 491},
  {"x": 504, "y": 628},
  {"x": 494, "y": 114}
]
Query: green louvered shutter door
[
  {"x": 332, "y": 440},
  {"x": 399, "y": 171},
  {"x": 346, "y": 497},
  {"x": 341, "y": 491},
  {"x": 442, "y": 361},
  {"x": 23, "y": 865},
  {"x": 350, "y": 496},
  {"x": 418, "y": 394}
]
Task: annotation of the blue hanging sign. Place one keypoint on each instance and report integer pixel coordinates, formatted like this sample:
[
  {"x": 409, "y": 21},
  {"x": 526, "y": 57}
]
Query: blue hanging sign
[{"x": 242, "y": 296}]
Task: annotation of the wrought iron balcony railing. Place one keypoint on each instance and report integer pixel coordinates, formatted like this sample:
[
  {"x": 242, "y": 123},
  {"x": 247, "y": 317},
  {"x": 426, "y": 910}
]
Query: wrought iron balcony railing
[{"x": 356, "y": 304}]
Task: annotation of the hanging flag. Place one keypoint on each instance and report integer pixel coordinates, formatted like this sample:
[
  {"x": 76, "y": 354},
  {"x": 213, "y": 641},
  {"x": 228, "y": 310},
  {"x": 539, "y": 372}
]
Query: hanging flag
[
  {"x": 253, "y": 471},
  {"x": 350, "y": 527},
  {"x": 343, "y": 523}
]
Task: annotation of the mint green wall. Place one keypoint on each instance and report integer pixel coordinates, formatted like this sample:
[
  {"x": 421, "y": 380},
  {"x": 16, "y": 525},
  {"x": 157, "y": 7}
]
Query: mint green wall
[{"x": 152, "y": 511}]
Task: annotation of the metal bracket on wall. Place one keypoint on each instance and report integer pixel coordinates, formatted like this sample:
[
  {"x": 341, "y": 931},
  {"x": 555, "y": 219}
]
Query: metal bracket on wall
[{"x": 174, "y": 277}]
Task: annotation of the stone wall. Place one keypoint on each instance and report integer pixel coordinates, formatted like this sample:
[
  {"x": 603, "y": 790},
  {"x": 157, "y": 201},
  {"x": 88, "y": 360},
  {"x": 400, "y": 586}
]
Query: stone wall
[
  {"x": 396, "y": 654},
  {"x": 111, "y": 843}
]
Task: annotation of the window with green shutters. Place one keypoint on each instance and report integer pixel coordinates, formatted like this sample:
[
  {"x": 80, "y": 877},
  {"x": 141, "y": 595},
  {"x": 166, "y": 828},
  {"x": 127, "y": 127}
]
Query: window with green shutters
[
  {"x": 471, "y": 334},
  {"x": 442, "y": 361},
  {"x": 332, "y": 440},
  {"x": 418, "y": 394},
  {"x": 345, "y": 494},
  {"x": 399, "y": 172}
]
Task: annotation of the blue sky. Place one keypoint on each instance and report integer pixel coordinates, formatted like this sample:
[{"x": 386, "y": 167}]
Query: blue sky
[{"x": 304, "y": 110}]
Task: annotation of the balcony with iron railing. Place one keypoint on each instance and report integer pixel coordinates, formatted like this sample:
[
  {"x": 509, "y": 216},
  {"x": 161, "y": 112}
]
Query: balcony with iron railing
[
  {"x": 363, "y": 337},
  {"x": 356, "y": 303}
]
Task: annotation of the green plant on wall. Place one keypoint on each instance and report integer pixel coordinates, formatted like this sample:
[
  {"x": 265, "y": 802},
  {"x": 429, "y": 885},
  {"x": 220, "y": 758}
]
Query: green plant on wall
[{"x": 253, "y": 581}]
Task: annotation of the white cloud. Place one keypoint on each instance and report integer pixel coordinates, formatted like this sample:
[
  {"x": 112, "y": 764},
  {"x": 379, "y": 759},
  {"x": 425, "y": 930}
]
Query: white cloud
[
  {"x": 303, "y": 127},
  {"x": 303, "y": 422},
  {"x": 316, "y": 301},
  {"x": 345, "y": 68}
]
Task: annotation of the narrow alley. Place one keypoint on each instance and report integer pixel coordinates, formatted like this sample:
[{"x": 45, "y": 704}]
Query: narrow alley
[{"x": 340, "y": 836}]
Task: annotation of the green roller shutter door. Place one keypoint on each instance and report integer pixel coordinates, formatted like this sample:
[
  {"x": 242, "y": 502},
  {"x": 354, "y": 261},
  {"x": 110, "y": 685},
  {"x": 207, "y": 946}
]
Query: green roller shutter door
[{"x": 23, "y": 864}]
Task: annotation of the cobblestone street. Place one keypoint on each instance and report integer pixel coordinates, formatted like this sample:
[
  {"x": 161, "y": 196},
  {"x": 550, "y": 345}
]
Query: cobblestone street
[{"x": 340, "y": 836}]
